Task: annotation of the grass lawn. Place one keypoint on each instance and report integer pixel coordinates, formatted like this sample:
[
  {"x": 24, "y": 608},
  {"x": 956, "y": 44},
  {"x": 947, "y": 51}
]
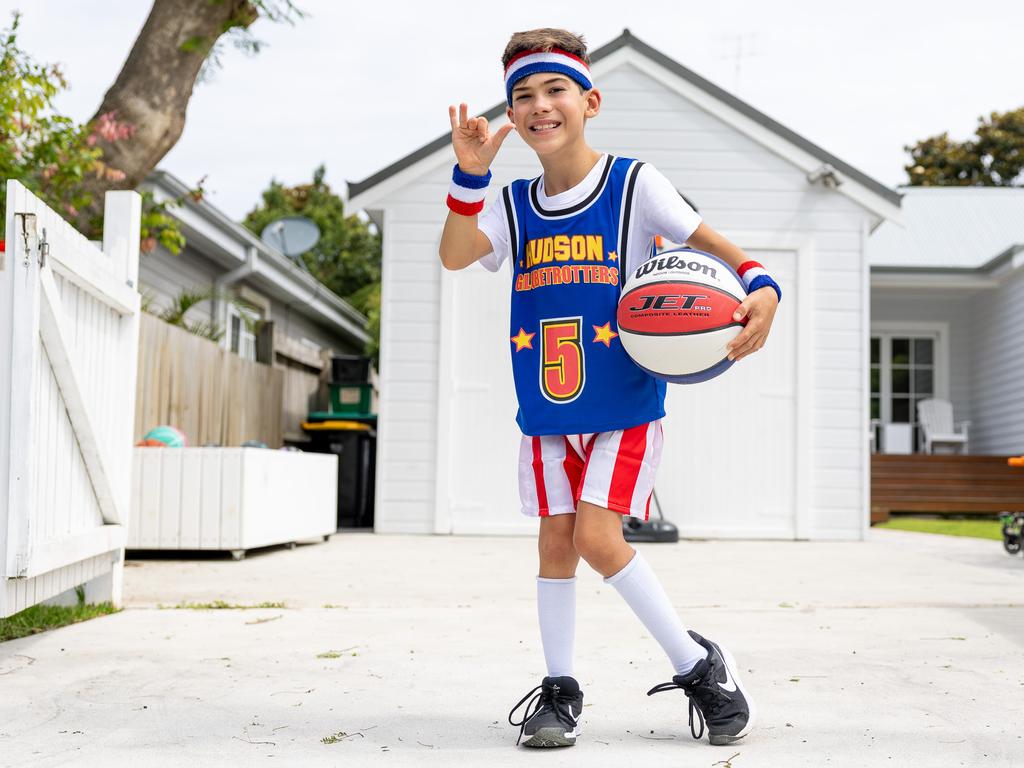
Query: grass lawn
[
  {"x": 978, "y": 529},
  {"x": 39, "y": 618}
]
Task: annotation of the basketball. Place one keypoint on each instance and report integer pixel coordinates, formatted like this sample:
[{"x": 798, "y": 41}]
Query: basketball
[{"x": 675, "y": 315}]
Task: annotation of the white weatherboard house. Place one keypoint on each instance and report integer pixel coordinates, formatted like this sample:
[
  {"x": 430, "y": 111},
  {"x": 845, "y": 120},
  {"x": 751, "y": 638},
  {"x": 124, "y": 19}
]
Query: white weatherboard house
[
  {"x": 947, "y": 307},
  {"x": 223, "y": 255},
  {"x": 776, "y": 448}
]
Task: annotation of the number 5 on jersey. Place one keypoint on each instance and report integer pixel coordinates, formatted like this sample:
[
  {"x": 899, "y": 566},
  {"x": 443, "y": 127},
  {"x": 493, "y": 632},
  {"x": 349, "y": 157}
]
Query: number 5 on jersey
[{"x": 562, "y": 370}]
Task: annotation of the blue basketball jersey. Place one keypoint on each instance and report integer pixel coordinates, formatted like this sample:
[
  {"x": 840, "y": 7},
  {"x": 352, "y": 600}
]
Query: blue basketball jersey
[{"x": 571, "y": 373}]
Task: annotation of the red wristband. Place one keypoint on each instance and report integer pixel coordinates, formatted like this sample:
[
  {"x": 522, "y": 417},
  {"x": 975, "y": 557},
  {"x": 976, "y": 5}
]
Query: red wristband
[{"x": 464, "y": 209}]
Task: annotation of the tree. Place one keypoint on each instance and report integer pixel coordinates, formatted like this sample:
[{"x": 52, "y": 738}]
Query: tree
[
  {"x": 72, "y": 165},
  {"x": 49, "y": 153},
  {"x": 347, "y": 257},
  {"x": 152, "y": 91},
  {"x": 993, "y": 157},
  {"x": 53, "y": 156}
]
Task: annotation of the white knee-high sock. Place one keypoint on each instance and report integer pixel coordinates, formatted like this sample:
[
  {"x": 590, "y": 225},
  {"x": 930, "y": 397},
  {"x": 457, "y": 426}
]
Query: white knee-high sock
[
  {"x": 643, "y": 593},
  {"x": 556, "y": 609}
]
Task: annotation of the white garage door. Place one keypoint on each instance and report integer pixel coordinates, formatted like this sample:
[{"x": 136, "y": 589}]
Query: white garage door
[
  {"x": 729, "y": 462},
  {"x": 478, "y": 482}
]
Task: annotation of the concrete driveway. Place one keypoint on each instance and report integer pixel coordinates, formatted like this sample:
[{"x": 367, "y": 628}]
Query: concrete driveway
[{"x": 904, "y": 650}]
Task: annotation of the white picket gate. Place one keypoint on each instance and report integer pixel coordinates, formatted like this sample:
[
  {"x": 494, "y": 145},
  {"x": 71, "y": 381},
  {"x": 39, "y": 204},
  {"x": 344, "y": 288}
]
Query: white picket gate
[{"x": 69, "y": 325}]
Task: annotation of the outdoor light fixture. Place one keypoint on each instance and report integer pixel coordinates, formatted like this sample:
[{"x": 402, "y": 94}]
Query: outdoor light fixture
[{"x": 826, "y": 174}]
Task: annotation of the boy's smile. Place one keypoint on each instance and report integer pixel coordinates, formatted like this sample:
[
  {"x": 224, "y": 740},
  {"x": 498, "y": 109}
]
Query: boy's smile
[{"x": 544, "y": 126}]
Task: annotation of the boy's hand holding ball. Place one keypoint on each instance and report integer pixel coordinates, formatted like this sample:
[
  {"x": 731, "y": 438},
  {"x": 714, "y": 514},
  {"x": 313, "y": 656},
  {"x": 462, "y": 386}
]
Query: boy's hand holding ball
[{"x": 759, "y": 309}]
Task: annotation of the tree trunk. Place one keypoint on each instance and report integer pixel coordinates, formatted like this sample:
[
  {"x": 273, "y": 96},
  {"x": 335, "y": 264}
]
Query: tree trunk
[{"x": 152, "y": 91}]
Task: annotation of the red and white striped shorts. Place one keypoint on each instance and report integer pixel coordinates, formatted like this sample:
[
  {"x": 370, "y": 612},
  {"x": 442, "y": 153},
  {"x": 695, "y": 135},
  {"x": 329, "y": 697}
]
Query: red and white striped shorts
[{"x": 614, "y": 470}]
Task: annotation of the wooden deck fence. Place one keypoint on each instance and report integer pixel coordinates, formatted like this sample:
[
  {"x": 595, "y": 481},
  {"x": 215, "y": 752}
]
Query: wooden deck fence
[
  {"x": 944, "y": 484},
  {"x": 208, "y": 392}
]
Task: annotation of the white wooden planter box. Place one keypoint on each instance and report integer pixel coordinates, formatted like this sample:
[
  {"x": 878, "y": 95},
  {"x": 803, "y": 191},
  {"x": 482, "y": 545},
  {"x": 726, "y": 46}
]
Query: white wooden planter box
[{"x": 230, "y": 498}]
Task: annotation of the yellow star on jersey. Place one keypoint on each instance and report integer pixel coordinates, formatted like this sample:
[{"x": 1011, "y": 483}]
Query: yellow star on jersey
[
  {"x": 523, "y": 340},
  {"x": 613, "y": 256},
  {"x": 604, "y": 334}
]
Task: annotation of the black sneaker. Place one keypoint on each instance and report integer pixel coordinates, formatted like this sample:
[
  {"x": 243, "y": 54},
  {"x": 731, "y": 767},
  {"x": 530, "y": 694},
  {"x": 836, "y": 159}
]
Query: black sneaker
[
  {"x": 554, "y": 719},
  {"x": 714, "y": 689}
]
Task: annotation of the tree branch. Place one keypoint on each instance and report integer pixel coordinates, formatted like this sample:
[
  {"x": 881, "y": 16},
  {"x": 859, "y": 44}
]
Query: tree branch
[{"x": 152, "y": 92}]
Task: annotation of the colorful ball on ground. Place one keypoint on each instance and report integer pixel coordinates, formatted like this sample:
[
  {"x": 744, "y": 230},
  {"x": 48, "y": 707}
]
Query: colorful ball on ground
[
  {"x": 164, "y": 436},
  {"x": 675, "y": 315}
]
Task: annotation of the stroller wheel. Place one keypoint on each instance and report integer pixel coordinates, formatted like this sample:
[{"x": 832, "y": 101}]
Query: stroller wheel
[{"x": 1013, "y": 530}]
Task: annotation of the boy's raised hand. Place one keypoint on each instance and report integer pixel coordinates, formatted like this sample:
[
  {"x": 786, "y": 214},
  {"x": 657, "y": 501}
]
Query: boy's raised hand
[{"x": 475, "y": 146}]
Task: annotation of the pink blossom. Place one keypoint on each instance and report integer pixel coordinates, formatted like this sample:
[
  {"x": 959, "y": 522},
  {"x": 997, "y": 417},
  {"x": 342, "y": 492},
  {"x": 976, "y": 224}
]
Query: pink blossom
[
  {"x": 109, "y": 129},
  {"x": 72, "y": 211}
]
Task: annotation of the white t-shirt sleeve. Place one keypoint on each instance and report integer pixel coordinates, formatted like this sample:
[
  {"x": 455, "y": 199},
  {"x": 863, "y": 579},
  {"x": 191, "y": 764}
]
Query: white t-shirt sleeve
[
  {"x": 492, "y": 223},
  {"x": 660, "y": 210}
]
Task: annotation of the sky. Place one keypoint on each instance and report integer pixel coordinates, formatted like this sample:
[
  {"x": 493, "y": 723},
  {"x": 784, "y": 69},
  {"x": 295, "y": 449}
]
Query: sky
[{"x": 357, "y": 86}]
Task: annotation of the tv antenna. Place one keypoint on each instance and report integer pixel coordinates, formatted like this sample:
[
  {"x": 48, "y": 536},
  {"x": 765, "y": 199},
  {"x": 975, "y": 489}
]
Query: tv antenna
[{"x": 745, "y": 48}]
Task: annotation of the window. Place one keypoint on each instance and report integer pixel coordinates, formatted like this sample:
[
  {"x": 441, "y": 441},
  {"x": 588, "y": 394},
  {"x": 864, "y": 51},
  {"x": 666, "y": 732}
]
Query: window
[
  {"x": 903, "y": 372},
  {"x": 242, "y": 337}
]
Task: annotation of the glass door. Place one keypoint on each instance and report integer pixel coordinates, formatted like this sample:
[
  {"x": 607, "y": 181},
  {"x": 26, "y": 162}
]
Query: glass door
[{"x": 903, "y": 373}]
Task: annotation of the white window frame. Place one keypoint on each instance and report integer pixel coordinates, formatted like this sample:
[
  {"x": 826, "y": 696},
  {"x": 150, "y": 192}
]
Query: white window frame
[
  {"x": 246, "y": 338},
  {"x": 885, "y": 331}
]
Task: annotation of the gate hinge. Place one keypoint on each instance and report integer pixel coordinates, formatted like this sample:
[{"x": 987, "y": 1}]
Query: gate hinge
[{"x": 44, "y": 249}]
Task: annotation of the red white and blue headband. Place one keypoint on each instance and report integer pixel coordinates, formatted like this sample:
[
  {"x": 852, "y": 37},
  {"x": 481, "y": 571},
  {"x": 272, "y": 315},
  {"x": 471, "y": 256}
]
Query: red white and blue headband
[{"x": 528, "y": 63}]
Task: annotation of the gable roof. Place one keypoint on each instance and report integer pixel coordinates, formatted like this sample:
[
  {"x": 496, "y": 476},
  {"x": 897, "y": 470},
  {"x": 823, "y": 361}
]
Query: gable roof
[
  {"x": 950, "y": 228},
  {"x": 887, "y": 197}
]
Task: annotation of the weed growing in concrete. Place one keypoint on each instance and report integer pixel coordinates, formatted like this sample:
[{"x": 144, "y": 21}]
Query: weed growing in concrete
[
  {"x": 40, "y": 618},
  {"x": 219, "y": 605}
]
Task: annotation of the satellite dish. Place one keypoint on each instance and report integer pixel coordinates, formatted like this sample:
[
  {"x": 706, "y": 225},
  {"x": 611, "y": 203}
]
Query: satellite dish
[{"x": 291, "y": 235}]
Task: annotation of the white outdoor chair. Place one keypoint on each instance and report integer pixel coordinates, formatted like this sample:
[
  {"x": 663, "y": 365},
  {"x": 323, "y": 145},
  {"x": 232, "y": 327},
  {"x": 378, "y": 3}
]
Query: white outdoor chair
[{"x": 937, "y": 427}]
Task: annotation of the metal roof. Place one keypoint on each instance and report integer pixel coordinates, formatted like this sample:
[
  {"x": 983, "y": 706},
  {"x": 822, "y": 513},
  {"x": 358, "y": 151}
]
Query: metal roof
[
  {"x": 950, "y": 228},
  {"x": 628, "y": 39}
]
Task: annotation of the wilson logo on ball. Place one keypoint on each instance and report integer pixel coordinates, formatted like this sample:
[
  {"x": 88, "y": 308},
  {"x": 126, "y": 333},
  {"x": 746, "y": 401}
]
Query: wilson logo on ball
[{"x": 674, "y": 262}]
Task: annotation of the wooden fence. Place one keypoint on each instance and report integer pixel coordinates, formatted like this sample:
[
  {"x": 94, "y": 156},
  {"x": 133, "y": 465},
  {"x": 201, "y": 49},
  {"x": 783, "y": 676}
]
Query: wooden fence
[
  {"x": 305, "y": 372},
  {"x": 208, "y": 392}
]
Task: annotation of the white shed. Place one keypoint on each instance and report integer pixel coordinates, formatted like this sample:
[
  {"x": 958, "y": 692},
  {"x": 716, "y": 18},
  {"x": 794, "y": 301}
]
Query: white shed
[{"x": 777, "y": 448}]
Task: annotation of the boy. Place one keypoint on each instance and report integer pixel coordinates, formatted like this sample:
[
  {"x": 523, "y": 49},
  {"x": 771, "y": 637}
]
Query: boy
[{"x": 591, "y": 418}]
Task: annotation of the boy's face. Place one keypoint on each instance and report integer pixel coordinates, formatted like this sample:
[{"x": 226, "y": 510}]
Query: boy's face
[{"x": 549, "y": 111}]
